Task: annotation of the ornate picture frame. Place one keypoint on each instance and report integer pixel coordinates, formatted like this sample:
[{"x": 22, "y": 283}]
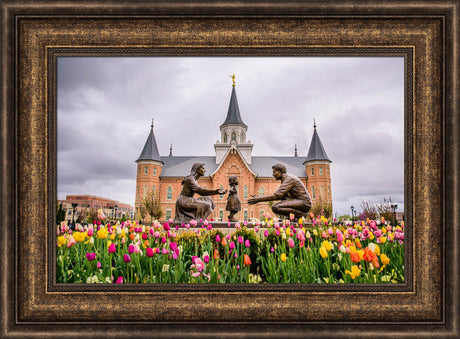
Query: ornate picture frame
[{"x": 33, "y": 37}]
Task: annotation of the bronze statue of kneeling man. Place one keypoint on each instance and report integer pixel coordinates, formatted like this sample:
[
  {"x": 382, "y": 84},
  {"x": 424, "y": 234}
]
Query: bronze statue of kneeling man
[
  {"x": 187, "y": 207},
  {"x": 292, "y": 192}
]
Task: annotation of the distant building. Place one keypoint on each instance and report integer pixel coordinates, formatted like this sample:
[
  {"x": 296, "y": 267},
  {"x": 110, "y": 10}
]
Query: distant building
[
  {"x": 233, "y": 156},
  {"x": 90, "y": 204}
]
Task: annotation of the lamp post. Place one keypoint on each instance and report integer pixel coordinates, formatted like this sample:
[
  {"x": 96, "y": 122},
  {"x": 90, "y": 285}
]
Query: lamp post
[
  {"x": 352, "y": 213},
  {"x": 116, "y": 211},
  {"x": 74, "y": 207},
  {"x": 394, "y": 207}
]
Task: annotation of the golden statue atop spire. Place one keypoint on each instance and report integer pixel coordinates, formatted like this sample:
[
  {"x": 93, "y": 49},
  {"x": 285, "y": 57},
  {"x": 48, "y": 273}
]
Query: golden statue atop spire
[{"x": 233, "y": 78}]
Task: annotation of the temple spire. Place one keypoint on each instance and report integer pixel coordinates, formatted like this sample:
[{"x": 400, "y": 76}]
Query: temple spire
[
  {"x": 316, "y": 151},
  {"x": 150, "y": 150},
  {"x": 233, "y": 113}
]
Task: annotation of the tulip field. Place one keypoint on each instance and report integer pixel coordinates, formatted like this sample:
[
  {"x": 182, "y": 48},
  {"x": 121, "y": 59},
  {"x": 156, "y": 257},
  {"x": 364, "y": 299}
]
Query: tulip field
[{"x": 272, "y": 251}]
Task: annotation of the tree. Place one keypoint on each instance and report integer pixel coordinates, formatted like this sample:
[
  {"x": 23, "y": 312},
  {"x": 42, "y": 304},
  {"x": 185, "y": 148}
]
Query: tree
[
  {"x": 369, "y": 211},
  {"x": 322, "y": 207},
  {"x": 152, "y": 205},
  {"x": 60, "y": 214},
  {"x": 385, "y": 209}
]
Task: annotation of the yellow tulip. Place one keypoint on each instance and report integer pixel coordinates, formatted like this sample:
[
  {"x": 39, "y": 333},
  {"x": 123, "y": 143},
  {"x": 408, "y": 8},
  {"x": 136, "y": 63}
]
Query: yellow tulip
[
  {"x": 355, "y": 271},
  {"x": 283, "y": 257},
  {"x": 61, "y": 241},
  {"x": 383, "y": 240},
  {"x": 79, "y": 236},
  {"x": 112, "y": 236},
  {"x": 288, "y": 231},
  {"x": 385, "y": 260},
  {"x": 323, "y": 252},
  {"x": 102, "y": 233},
  {"x": 327, "y": 245}
]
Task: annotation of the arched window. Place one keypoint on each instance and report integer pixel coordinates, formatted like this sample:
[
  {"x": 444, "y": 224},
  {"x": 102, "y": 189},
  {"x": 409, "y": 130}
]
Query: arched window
[
  {"x": 225, "y": 137},
  {"x": 320, "y": 171},
  {"x": 261, "y": 191},
  {"x": 169, "y": 193},
  {"x": 154, "y": 171},
  {"x": 220, "y": 195},
  {"x": 245, "y": 215},
  {"x": 146, "y": 170},
  {"x": 168, "y": 214},
  {"x": 312, "y": 171},
  {"x": 233, "y": 136},
  {"x": 221, "y": 214},
  {"x": 242, "y": 138},
  {"x": 313, "y": 195},
  {"x": 245, "y": 191},
  {"x": 261, "y": 214}
]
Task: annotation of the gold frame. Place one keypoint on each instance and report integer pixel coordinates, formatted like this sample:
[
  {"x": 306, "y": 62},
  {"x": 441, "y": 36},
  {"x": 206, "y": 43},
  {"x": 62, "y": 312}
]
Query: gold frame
[{"x": 33, "y": 36}]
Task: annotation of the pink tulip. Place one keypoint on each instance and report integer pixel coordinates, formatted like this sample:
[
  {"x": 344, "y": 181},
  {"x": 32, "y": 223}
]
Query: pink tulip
[
  {"x": 119, "y": 280},
  {"x": 99, "y": 265},
  {"x": 173, "y": 246},
  {"x": 217, "y": 238},
  {"x": 339, "y": 236},
  {"x": 166, "y": 226},
  {"x": 206, "y": 258},
  {"x": 126, "y": 258},
  {"x": 90, "y": 256},
  {"x": 291, "y": 243},
  {"x": 232, "y": 245},
  {"x": 112, "y": 248},
  {"x": 247, "y": 243},
  {"x": 131, "y": 249},
  {"x": 149, "y": 252},
  {"x": 266, "y": 233}
]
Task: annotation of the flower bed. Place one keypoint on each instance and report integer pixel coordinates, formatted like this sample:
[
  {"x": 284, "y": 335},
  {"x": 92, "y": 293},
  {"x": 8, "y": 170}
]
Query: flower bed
[{"x": 270, "y": 252}]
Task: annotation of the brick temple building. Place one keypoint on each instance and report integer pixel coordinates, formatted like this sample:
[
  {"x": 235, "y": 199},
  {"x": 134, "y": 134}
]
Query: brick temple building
[{"x": 233, "y": 156}]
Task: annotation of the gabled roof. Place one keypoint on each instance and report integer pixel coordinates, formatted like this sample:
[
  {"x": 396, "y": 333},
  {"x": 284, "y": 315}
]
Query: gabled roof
[
  {"x": 242, "y": 159},
  {"x": 180, "y": 166},
  {"x": 150, "y": 150},
  {"x": 233, "y": 114},
  {"x": 316, "y": 151}
]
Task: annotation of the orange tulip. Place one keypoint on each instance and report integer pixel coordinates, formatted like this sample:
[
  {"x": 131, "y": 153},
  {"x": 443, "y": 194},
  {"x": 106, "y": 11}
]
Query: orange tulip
[
  {"x": 358, "y": 243},
  {"x": 246, "y": 260},
  {"x": 132, "y": 236},
  {"x": 224, "y": 242},
  {"x": 355, "y": 257},
  {"x": 216, "y": 254},
  {"x": 131, "y": 229}
]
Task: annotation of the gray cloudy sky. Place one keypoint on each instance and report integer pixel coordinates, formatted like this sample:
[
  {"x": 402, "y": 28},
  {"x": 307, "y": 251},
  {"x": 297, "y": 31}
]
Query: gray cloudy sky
[{"x": 105, "y": 108}]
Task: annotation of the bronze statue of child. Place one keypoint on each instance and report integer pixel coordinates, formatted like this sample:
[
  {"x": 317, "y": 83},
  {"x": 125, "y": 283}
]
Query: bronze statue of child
[{"x": 233, "y": 200}]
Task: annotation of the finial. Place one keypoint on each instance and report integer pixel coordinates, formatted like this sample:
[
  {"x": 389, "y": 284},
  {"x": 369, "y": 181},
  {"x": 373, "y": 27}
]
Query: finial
[
  {"x": 151, "y": 126},
  {"x": 314, "y": 124},
  {"x": 170, "y": 150},
  {"x": 295, "y": 153},
  {"x": 233, "y": 78}
]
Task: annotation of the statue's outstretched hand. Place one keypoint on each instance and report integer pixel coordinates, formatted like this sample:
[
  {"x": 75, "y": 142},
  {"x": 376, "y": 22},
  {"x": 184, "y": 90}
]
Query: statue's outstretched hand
[
  {"x": 221, "y": 191},
  {"x": 253, "y": 200}
]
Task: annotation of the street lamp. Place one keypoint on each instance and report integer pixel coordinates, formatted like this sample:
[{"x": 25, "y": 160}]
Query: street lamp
[
  {"x": 116, "y": 211},
  {"x": 394, "y": 207},
  {"x": 74, "y": 207},
  {"x": 352, "y": 214}
]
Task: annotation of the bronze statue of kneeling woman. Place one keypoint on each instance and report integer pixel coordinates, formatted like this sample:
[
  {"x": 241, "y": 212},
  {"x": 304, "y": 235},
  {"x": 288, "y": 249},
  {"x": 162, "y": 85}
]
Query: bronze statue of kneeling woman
[{"x": 187, "y": 207}]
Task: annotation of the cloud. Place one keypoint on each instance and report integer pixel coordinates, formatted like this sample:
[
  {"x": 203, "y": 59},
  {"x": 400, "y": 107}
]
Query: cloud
[{"x": 105, "y": 108}]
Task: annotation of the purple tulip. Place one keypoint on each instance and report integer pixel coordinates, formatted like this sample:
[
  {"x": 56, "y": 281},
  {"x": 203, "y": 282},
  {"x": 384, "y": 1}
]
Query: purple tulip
[{"x": 126, "y": 258}]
